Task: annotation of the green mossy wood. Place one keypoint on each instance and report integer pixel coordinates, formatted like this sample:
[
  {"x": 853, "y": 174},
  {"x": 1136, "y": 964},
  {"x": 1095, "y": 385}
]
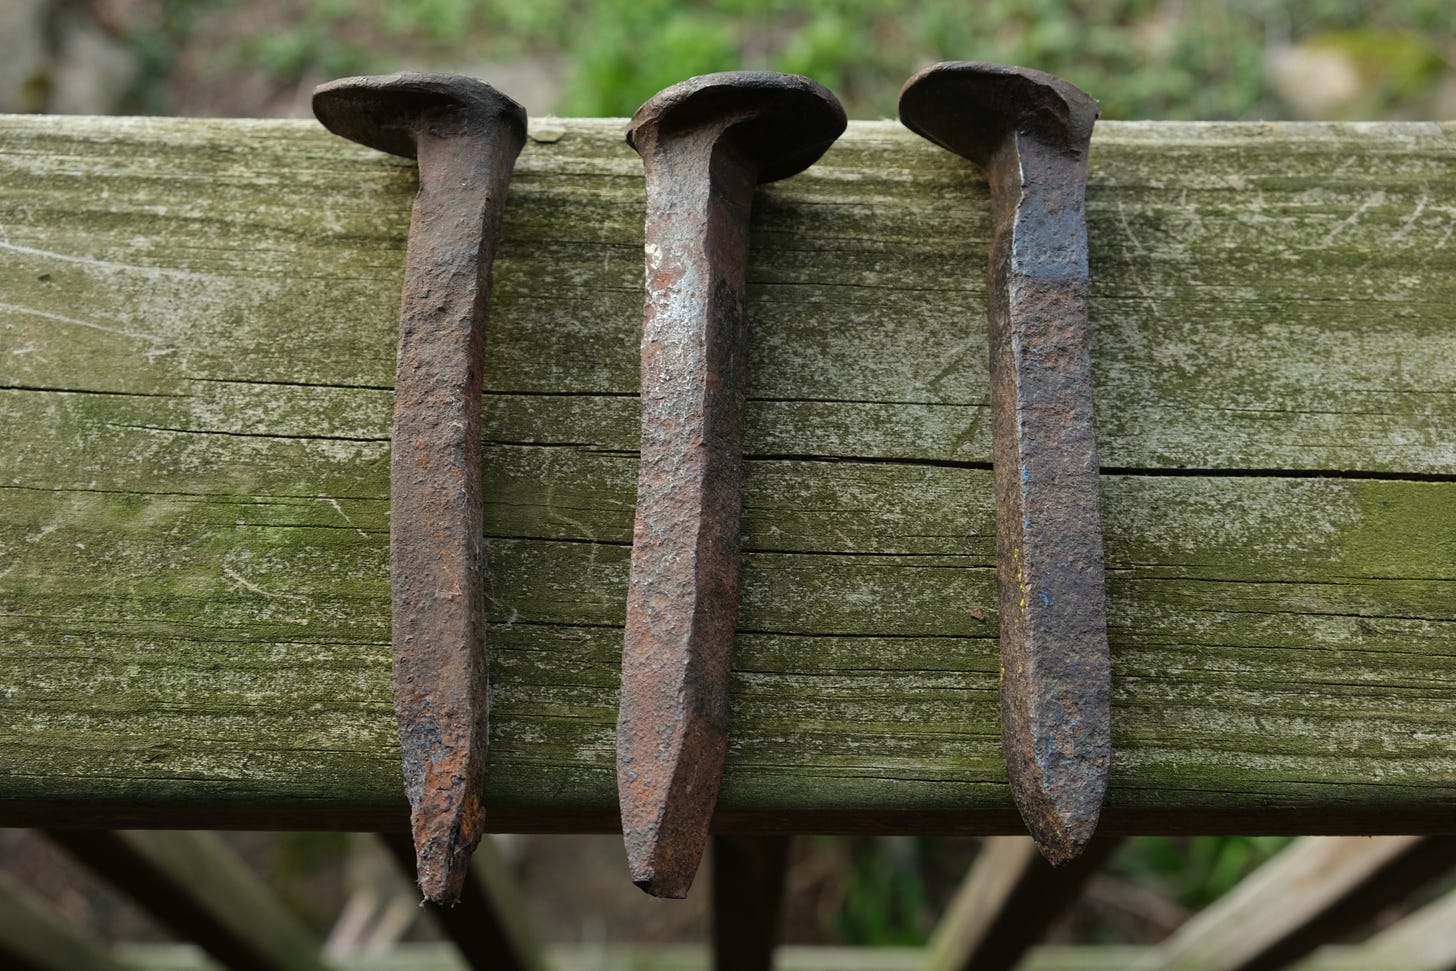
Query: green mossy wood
[{"x": 197, "y": 329}]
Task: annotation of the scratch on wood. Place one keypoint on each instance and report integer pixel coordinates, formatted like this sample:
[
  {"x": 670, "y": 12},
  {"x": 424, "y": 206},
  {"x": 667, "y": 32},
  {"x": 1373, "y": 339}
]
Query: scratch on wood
[{"x": 253, "y": 587}]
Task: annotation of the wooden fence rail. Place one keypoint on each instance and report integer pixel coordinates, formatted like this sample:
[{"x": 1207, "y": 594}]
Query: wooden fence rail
[{"x": 197, "y": 322}]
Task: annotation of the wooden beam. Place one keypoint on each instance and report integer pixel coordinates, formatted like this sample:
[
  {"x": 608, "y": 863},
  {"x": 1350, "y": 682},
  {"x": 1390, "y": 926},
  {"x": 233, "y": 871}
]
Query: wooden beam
[
  {"x": 489, "y": 925},
  {"x": 34, "y": 937},
  {"x": 748, "y": 896},
  {"x": 196, "y": 354},
  {"x": 1421, "y": 941},
  {"x": 192, "y": 883},
  {"x": 1008, "y": 900},
  {"x": 1312, "y": 892}
]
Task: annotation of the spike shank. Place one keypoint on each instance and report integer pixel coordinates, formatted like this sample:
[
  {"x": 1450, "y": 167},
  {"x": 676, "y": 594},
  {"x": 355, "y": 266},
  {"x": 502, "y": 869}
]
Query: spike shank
[
  {"x": 1049, "y": 572},
  {"x": 438, "y": 602},
  {"x": 1031, "y": 131},
  {"x": 466, "y": 136},
  {"x": 705, "y": 144},
  {"x": 682, "y": 606}
]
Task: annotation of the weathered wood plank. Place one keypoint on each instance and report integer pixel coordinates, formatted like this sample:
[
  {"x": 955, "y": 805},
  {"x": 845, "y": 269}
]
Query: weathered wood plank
[
  {"x": 669, "y": 957},
  {"x": 35, "y": 937},
  {"x": 192, "y": 883},
  {"x": 438, "y": 957},
  {"x": 196, "y": 351},
  {"x": 1421, "y": 941},
  {"x": 1311, "y": 893}
]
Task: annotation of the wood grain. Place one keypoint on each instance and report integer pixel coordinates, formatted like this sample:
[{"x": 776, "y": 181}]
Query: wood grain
[{"x": 197, "y": 326}]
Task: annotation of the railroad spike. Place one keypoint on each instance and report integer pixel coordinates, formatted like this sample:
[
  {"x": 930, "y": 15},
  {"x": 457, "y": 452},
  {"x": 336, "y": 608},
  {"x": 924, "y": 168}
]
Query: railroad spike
[
  {"x": 466, "y": 136},
  {"x": 1030, "y": 131},
  {"x": 705, "y": 144}
]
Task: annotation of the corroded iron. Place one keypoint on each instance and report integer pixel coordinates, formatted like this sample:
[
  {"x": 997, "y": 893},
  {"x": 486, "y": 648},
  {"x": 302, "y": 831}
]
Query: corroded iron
[
  {"x": 1031, "y": 132},
  {"x": 466, "y": 136},
  {"x": 705, "y": 144}
]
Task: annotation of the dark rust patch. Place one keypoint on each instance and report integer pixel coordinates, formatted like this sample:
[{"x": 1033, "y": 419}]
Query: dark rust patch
[
  {"x": 466, "y": 137},
  {"x": 1031, "y": 132},
  {"x": 704, "y": 144}
]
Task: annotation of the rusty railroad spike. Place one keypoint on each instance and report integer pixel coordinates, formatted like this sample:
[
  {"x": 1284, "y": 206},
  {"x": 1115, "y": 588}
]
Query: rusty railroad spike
[
  {"x": 466, "y": 136},
  {"x": 1030, "y": 131},
  {"x": 705, "y": 144}
]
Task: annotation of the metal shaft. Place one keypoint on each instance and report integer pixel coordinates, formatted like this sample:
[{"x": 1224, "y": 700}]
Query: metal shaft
[
  {"x": 705, "y": 144},
  {"x": 466, "y": 137},
  {"x": 682, "y": 604},
  {"x": 1031, "y": 131}
]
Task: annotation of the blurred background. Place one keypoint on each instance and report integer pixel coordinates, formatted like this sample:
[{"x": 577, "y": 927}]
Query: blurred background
[
  {"x": 847, "y": 891},
  {"x": 1239, "y": 59},
  {"x": 1155, "y": 59}
]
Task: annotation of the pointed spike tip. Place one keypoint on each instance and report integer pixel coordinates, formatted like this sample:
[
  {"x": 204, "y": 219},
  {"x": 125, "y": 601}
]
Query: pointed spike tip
[
  {"x": 670, "y": 883},
  {"x": 442, "y": 883}
]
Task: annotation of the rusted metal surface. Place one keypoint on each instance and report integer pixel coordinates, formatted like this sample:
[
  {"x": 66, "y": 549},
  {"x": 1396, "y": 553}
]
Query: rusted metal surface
[
  {"x": 705, "y": 143},
  {"x": 466, "y": 137},
  {"x": 1031, "y": 131}
]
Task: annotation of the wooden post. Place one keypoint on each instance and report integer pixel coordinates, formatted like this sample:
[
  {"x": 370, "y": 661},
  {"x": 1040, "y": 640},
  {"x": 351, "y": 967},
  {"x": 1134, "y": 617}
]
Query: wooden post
[
  {"x": 34, "y": 937},
  {"x": 489, "y": 925},
  {"x": 748, "y": 897}
]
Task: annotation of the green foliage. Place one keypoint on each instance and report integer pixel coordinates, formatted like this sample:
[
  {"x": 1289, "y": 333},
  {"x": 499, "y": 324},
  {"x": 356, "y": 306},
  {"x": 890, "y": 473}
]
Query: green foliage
[
  {"x": 1394, "y": 67},
  {"x": 883, "y": 899},
  {"x": 155, "y": 45},
  {"x": 543, "y": 21},
  {"x": 645, "y": 46},
  {"x": 316, "y": 40},
  {"x": 1140, "y": 58},
  {"x": 827, "y": 49},
  {"x": 441, "y": 20},
  {"x": 1194, "y": 871}
]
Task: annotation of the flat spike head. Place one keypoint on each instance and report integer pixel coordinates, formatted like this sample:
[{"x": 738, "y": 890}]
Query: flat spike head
[
  {"x": 389, "y": 111},
  {"x": 969, "y": 108},
  {"x": 779, "y": 123}
]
